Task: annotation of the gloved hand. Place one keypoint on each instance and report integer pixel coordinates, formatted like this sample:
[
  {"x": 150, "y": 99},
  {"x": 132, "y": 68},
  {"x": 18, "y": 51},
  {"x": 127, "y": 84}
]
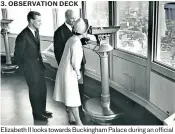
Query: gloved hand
[{"x": 85, "y": 41}]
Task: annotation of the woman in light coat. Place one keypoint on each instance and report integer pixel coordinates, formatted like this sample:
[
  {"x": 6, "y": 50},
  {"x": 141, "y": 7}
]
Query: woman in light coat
[{"x": 66, "y": 85}]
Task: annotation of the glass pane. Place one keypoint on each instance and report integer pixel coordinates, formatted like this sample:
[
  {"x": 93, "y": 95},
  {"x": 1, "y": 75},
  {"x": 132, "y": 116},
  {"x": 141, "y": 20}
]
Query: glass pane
[
  {"x": 132, "y": 16},
  {"x": 46, "y": 28},
  {"x": 166, "y": 36},
  {"x": 98, "y": 13},
  {"x": 19, "y": 17}
]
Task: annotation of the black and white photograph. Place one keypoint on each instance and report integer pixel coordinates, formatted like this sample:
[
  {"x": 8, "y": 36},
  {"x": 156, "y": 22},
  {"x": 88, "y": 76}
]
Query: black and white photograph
[{"x": 87, "y": 63}]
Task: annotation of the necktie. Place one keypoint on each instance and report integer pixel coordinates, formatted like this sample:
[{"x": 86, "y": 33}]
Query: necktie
[
  {"x": 36, "y": 35},
  {"x": 37, "y": 38}
]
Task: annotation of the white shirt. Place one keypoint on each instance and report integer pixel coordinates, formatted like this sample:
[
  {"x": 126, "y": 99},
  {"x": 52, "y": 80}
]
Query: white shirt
[
  {"x": 70, "y": 28},
  {"x": 33, "y": 31}
]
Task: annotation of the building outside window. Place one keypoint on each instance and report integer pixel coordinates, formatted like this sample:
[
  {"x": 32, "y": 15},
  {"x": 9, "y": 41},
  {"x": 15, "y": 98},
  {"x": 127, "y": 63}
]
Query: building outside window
[
  {"x": 132, "y": 16},
  {"x": 98, "y": 13},
  {"x": 165, "y": 50}
]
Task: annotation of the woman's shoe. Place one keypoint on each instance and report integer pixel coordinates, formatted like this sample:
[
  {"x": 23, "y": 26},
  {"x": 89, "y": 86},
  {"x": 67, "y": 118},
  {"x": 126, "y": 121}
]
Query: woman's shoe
[
  {"x": 72, "y": 122},
  {"x": 71, "y": 119}
]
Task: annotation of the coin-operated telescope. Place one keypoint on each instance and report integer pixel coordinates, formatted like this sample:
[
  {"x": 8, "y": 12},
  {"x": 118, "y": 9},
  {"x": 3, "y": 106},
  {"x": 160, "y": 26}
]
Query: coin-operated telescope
[
  {"x": 99, "y": 109},
  {"x": 8, "y": 67},
  {"x": 102, "y": 35}
]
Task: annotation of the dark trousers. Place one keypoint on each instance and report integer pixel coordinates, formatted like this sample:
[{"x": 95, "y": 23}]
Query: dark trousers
[
  {"x": 37, "y": 89},
  {"x": 81, "y": 86},
  {"x": 81, "y": 90}
]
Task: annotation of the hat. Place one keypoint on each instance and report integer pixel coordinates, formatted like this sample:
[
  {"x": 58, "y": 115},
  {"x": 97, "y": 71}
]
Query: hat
[{"x": 80, "y": 26}]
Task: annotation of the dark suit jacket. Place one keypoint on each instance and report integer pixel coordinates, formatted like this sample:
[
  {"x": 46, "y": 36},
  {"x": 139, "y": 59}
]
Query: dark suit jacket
[
  {"x": 61, "y": 35},
  {"x": 27, "y": 51}
]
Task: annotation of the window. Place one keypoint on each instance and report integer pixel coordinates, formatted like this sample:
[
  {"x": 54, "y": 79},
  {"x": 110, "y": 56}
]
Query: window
[
  {"x": 165, "y": 51},
  {"x": 97, "y": 13},
  {"x": 19, "y": 17},
  {"x": 46, "y": 28},
  {"x": 132, "y": 16}
]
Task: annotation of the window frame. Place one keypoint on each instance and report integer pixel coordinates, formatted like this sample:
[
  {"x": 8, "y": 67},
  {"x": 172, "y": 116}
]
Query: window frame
[
  {"x": 116, "y": 22},
  {"x": 149, "y": 62},
  {"x": 160, "y": 68},
  {"x": 136, "y": 58}
]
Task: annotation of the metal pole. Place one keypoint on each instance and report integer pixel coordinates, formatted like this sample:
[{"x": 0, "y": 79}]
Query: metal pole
[
  {"x": 7, "y": 48},
  {"x": 105, "y": 97},
  {"x": 99, "y": 109}
]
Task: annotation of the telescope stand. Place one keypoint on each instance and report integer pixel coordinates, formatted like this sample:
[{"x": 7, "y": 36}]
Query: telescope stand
[
  {"x": 8, "y": 67},
  {"x": 99, "y": 109}
]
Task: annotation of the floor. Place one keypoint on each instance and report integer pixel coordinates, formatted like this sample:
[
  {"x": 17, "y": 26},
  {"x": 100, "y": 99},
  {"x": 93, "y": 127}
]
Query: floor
[{"x": 16, "y": 109}]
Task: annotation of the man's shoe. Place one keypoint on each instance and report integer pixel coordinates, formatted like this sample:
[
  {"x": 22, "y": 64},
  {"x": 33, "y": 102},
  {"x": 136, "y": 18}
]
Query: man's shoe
[
  {"x": 47, "y": 114},
  {"x": 40, "y": 117}
]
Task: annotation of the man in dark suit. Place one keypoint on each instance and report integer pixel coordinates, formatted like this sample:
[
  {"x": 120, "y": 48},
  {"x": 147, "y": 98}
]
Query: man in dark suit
[
  {"x": 28, "y": 57},
  {"x": 62, "y": 34}
]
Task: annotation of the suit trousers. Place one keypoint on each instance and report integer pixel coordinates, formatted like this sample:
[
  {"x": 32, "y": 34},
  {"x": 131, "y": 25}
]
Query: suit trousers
[{"x": 37, "y": 89}]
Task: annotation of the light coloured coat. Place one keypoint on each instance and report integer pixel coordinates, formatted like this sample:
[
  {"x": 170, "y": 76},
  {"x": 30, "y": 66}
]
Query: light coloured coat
[{"x": 66, "y": 85}]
